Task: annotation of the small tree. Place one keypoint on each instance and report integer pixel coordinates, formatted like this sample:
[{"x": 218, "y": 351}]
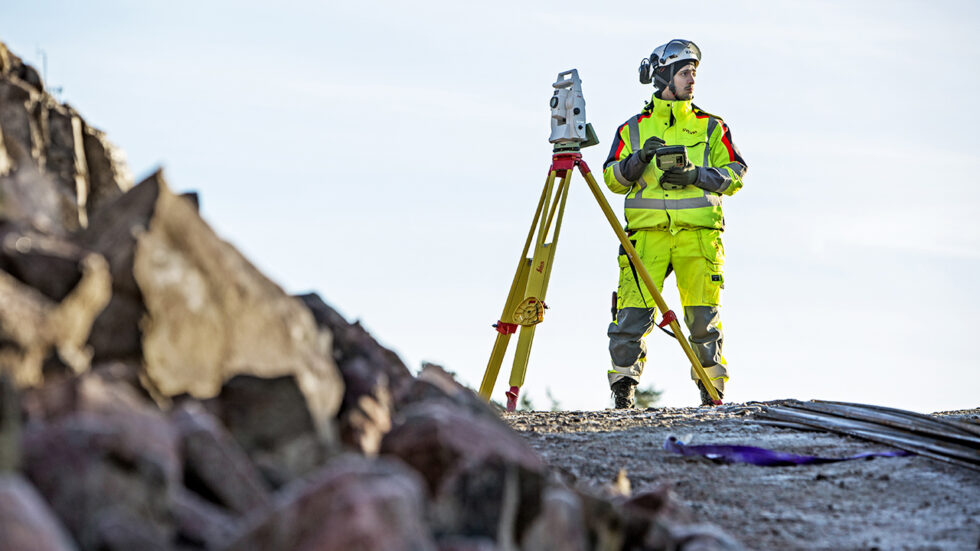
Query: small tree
[
  {"x": 647, "y": 397},
  {"x": 555, "y": 404},
  {"x": 525, "y": 403}
]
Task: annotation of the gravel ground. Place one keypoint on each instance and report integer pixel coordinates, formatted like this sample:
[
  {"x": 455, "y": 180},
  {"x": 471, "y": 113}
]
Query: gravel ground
[{"x": 882, "y": 503}]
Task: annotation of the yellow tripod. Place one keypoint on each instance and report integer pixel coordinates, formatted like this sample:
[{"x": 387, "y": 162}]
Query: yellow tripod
[{"x": 525, "y": 302}]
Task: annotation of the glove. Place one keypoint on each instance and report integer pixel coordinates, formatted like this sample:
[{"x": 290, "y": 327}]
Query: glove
[
  {"x": 649, "y": 149},
  {"x": 676, "y": 178}
]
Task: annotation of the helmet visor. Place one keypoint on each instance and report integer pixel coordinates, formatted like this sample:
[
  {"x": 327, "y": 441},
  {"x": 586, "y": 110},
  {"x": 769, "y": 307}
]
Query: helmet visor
[{"x": 679, "y": 50}]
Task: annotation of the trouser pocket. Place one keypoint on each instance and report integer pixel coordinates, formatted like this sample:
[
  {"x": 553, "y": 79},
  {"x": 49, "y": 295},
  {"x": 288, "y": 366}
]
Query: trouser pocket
[{"x": 712, "y": 277}]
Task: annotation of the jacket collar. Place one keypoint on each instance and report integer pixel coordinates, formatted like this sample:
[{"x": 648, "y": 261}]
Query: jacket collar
[{"x": 662, "y": 107}]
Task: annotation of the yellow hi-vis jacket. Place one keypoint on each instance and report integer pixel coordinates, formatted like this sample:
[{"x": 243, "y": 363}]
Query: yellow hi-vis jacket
[{"x": 709, "y": 146}]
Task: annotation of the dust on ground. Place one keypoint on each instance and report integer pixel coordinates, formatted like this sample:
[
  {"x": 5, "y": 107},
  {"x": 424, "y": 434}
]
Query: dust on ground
[{"x": 881, "y": 503}]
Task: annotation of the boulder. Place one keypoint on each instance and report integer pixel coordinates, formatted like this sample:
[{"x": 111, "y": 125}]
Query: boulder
[
  {"x": 365, "y": 414},
  {"x": 352, "y": 503},
  {"x": 270, "y": 420},
  {"x": 136, "y": 433},
  {"x": 34, "y": 328},
  {"x": 121, "y": 529},
  {"x": 351, "y": 341},
  {"x": 116, "y": 334},
  {"x": 50, "y": 264},
  {"x": 201, "y": 523},
  {"x": 689, "y": 537},
  {"x": 26, "y": 521},
  {"x": 437, "y": 440},
  {"x": 435, "y": 384},
  {"x": 107, "y": 475},
  {"x": 490, "y": 497},
  {"x": 47, "y": 144},
  {"x": 108, "y": 173},
  {"x": 216, "y": 464},
  {"x": 30, "y": 198},
  {"x": 374, "y": 378},
  {"x": 207, "y": 314},
  {"x": 43, "y": 138},
  {"x": 561, "y": 524},
  {"x": 21, "y": 133}
]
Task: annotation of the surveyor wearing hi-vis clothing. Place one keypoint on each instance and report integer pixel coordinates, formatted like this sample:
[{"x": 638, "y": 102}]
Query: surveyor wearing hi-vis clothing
[{"x": 674, "y": 217}]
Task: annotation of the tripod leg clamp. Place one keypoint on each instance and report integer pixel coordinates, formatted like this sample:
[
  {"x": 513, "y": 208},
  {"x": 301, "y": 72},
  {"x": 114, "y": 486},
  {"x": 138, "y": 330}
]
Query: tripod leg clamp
[
  {"x": 505, "y": 328},
  {"x": 669, "y": 316}
]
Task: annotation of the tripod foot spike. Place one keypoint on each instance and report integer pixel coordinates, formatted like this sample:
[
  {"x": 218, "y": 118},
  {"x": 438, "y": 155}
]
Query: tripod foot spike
[{"x": 512, "y": 398}]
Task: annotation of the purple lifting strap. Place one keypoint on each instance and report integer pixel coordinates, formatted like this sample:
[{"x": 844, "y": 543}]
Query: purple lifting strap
[{"x": 762, "y": 456}]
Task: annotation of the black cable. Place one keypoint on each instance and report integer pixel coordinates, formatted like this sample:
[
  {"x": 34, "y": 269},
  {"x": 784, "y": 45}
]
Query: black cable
[{"x": 636, "y": 279}]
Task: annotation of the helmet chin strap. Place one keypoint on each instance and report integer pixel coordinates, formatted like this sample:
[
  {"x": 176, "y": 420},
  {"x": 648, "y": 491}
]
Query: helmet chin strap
[{"x": 670, "y": 81}]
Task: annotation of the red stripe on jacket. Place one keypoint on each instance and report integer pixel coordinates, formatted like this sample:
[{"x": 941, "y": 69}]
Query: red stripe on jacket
[
  {"x": 726, "y": 139},
  {"x": 622, "y": 142}
]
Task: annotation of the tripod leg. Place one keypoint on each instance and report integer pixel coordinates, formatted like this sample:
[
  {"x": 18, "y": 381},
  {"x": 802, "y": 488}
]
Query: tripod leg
[
  {"x": 537, "y": 286},
  {"x": 515, "y": 295},
  {"x": 648, "y": 281},
  {"x": 503, "y": 337},
  {"x": 519, "y": 370}
]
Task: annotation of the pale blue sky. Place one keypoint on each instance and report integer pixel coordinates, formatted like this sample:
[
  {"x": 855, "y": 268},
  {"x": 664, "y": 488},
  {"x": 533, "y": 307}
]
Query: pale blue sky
[{"x": 389, "y": 155}]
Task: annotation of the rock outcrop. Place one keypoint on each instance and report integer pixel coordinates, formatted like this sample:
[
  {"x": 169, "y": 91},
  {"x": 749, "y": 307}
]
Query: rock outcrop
[
  {"x": 204, "y": 314},
  {"x": 54, "y": 168}
]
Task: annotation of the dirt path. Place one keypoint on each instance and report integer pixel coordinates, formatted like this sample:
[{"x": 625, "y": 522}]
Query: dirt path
[{"x": 883, "y": 503}]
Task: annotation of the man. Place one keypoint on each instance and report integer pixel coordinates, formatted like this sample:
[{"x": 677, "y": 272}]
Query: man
[{"x": 673, "y": 217}]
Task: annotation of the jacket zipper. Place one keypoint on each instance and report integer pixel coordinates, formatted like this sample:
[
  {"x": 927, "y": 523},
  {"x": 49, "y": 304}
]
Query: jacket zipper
[{"x": 667, "y": 212}]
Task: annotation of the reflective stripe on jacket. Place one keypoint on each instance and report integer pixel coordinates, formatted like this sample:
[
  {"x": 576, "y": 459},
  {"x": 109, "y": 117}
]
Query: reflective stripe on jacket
[{"x": 709, "y": 145}]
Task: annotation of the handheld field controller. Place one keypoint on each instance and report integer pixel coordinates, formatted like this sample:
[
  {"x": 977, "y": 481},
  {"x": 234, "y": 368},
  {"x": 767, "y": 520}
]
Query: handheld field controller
[{"x": 671, "y": 156}]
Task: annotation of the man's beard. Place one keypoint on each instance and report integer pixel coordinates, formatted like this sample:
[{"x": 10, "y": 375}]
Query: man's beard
[{"x": 682, "y": 96}]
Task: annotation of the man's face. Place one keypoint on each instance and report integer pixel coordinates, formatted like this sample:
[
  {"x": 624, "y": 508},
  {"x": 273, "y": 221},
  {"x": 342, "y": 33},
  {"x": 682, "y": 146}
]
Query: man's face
[{"x": 684, "y": 82}]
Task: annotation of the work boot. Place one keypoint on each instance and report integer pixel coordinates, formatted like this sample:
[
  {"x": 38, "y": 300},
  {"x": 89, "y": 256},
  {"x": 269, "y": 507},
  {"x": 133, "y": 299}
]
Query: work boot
[
  {"x": 705, "y": 397},
  {"x": 624, "y": 390}
]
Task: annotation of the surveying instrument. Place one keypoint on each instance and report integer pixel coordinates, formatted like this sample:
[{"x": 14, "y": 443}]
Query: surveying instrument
[{"x": 525, "y": 306}]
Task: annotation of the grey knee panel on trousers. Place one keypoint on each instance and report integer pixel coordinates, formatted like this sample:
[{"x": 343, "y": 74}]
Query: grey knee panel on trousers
[
  {"x": 626, "y": 346},
  {"x": 706, "y": 336}
]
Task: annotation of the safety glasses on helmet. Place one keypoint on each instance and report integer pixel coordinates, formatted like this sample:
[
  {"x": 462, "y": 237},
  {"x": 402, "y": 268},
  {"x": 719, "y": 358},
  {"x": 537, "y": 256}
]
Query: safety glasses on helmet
[{"x": 676, "y": 50}]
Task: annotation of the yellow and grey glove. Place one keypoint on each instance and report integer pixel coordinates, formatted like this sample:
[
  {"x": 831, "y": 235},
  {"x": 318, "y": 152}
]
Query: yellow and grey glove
[{"x": 679, "y": 177}]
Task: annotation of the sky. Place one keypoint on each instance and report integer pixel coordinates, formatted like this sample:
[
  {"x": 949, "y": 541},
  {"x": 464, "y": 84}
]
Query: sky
[{"x": 389, "y": 156}]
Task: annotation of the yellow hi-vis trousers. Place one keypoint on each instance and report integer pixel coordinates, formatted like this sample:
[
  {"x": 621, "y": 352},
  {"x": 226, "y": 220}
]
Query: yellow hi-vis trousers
[{"x": 696, "y": 257}]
